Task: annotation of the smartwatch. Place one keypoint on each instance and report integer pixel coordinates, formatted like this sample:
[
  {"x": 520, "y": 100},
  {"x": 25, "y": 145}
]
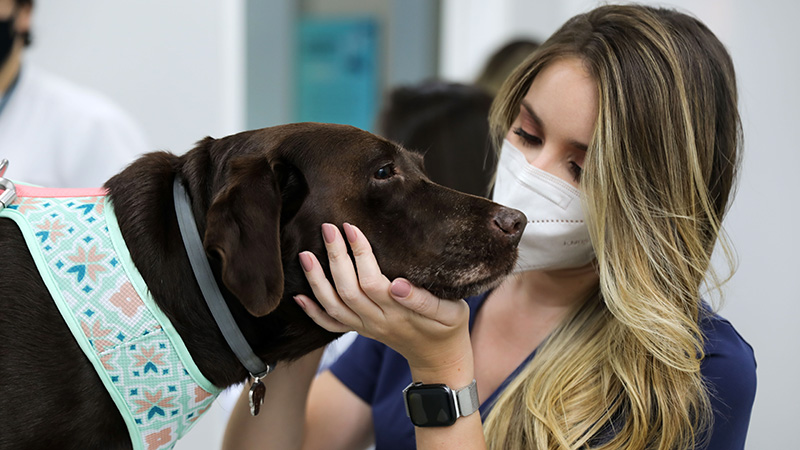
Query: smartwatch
[{"x": 436, "y": 405}]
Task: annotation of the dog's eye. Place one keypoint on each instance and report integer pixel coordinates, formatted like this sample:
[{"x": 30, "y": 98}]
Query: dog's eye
[{"x": 384, "y": 172}]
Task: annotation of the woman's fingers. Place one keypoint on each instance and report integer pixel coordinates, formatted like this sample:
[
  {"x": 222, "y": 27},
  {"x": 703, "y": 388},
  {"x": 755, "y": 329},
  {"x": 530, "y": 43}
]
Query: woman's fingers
[
  {"x": 349, "y": 284},
  {"x": 324, "y": 291},
  {"x": 370, "y": 277},
  {"x": 422, "y": 302},
  {"x": 366, "y": 300},
  {"x": 408, "y": 319},
  {"x": 319, "y": 315},
  {"x": 368, "y": 293},
  {"x": 346, "y": 303},
  {"x": 344, "y": 274}
]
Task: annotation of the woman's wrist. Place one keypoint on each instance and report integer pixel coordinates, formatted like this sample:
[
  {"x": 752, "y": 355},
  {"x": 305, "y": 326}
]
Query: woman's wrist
[
  {"x": 454, "y": 367},
  {"x": 457, "y": 372}
]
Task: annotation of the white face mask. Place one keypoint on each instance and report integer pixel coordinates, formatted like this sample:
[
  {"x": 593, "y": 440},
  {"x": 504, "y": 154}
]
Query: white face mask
[{"x": 556, "y": 236}]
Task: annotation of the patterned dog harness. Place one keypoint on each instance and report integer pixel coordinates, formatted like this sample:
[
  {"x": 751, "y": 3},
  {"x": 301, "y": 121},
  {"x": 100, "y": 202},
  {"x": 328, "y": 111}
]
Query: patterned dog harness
[{"x": 76, "y": 243}]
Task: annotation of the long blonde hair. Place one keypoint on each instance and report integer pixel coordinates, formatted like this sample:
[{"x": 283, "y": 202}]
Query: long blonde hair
[{"x": 623, "y": 372}]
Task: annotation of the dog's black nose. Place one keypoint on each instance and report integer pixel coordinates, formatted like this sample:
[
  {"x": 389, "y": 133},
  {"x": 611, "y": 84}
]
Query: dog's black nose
[{"x": 510, "y": 222}]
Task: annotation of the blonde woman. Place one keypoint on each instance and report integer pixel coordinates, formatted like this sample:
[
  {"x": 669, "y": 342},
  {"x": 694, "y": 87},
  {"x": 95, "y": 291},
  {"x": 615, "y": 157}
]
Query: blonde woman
[{"x": 626, "y": 118}]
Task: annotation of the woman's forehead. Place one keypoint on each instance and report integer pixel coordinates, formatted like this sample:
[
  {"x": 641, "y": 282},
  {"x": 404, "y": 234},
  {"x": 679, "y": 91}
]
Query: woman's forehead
[{"x": 564, "y": 96}]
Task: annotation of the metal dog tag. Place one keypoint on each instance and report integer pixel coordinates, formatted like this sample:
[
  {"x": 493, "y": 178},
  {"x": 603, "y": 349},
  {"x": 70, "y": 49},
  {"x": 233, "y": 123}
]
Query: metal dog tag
[{"x": 257, "y": 391}]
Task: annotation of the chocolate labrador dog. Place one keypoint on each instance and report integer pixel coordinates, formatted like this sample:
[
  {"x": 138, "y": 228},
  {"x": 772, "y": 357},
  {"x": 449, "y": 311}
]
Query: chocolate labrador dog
[{"x": 258, "y": 199}]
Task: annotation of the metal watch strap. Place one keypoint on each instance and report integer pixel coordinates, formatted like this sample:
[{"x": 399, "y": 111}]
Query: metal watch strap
[{"x": 467, "y": 399}]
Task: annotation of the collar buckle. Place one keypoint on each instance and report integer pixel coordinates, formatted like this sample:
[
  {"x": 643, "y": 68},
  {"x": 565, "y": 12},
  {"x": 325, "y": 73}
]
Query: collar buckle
[{"x": 9, "y": 193}]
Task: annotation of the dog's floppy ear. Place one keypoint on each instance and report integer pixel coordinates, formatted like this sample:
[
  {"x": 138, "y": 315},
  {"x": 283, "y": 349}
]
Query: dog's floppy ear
[{"x": 242, "y": 232}]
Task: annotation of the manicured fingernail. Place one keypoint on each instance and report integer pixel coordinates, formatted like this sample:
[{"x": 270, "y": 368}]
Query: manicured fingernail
[
  {"x": 350, "y": 232},
  {"x": 401, "y": 288},
  {"x": 300, "y": 302},
  {"x": 306, "y": 261},
  {"x": 328, "y": 233}
]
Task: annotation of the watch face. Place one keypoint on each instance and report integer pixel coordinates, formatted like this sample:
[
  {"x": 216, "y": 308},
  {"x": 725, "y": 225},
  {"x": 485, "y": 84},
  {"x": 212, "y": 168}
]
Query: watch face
[{"x": 431, "y": 406}]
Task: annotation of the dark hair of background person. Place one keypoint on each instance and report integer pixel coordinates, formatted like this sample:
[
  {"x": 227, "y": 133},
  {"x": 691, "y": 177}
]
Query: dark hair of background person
[
  {"x": 502, "y": 62},
  {"x": 448, "y": 123}
]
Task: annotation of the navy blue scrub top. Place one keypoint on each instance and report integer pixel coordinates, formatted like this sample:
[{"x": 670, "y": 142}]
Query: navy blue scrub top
[{"x": 377, "y": 374}]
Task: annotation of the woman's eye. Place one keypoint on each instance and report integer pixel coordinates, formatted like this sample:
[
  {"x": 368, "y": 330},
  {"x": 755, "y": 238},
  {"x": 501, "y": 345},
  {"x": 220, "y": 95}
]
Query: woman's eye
[
  {"x": 527, "y": 138},
  {"x": 384, "y": 172},
  {"x": 576, "y": 171}
]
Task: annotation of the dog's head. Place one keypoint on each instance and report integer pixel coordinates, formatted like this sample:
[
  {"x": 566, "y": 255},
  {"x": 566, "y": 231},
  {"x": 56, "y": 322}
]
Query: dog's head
[{"x": 275, "y": 187}]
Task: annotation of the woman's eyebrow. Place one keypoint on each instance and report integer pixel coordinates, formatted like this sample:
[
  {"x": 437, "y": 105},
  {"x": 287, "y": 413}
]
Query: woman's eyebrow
[
  {"x": 533, "y": 115},
  {"x": 529, "y": 109},
  {"x": 579, "y": 145}
]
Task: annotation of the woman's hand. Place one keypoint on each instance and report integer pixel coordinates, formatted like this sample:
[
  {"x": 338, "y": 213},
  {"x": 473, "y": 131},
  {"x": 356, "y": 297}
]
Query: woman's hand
[{"x": 432, "y": 334}]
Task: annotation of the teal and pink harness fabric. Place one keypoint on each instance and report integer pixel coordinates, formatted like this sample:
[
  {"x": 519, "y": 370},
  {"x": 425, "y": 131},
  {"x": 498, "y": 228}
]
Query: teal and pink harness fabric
[{"x": 76, "y": 243}]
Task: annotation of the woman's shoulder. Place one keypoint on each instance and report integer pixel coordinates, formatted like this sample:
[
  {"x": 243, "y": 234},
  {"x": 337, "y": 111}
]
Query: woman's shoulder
[
  {"x": 729, "y": 358},
  {"x": 723, "y": 344},
  {"x": 729, "y": 368}
]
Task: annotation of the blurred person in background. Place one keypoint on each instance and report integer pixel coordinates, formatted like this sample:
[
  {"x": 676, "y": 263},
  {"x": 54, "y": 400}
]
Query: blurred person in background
[
  {"x": 54, "y": 133},
  {"x": 502, "y": 62},
  {"x": 620, "y": 139},
  {"x": 449, "y": 124}
]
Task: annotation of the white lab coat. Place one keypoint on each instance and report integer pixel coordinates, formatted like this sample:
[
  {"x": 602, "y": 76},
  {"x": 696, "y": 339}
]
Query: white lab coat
[{"x": 57, "y": 134}]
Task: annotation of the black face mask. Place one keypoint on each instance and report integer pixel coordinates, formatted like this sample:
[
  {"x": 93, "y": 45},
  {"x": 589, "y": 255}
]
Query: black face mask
[{"x": 7, "y": 36}]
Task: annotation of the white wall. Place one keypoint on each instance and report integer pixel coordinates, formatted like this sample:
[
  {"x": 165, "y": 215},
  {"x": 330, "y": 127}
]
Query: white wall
[
  {"x": 176, "y": 66},
  {"x": 763, "y": 298}
]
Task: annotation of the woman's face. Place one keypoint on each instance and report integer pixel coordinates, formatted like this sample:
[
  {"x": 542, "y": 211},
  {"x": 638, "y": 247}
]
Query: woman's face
[{"x": 556, "y": 119}]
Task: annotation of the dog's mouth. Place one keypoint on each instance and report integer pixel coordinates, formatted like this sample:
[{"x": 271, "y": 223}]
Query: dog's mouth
[
  {"x": 458, "y": 284},
  {"x": 460, "y": 292}
]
